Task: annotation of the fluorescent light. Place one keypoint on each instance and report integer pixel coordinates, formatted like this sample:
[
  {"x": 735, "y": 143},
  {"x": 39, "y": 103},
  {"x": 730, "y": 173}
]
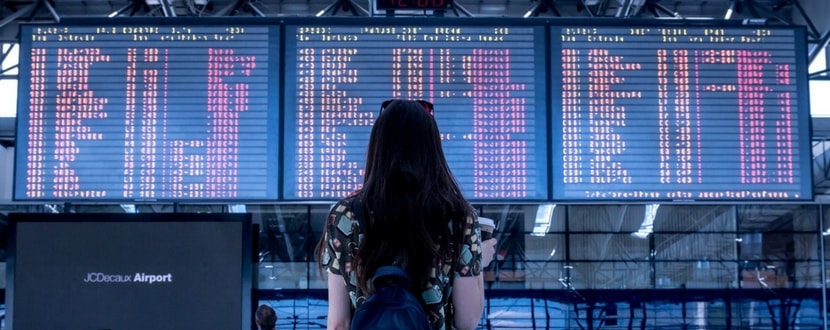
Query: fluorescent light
[
  {"x": 237, "y": 208},
  {"x": 755, "y": 21},
  {"x": 647, "y": 227},
  {"x": 544, "y": 216},
  {"x": 129, "y": 208}
]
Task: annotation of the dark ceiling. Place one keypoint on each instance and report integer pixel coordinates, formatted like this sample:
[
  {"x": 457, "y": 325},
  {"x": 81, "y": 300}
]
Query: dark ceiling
[
  {"x": 787, "y": 11},
  {"x": 810, "y": 13},
  {"x": 507, "y": 8}
]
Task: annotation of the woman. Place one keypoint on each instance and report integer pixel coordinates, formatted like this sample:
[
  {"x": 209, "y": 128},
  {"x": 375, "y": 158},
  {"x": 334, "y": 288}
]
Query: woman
[{"x": 415, "y": 217}]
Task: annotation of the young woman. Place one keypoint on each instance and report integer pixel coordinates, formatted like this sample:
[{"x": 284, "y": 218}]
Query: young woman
[{"x": 415, "y": 217}]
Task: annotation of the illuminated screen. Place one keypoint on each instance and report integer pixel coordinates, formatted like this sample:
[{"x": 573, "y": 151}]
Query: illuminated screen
[
  {"x": 680, "y": 113},
  {"x": 129, "y": 271},
  {"x": 147, "y": 112},
  {"x": 225, "y": 111},
  {"x": 487, "y": 84}
]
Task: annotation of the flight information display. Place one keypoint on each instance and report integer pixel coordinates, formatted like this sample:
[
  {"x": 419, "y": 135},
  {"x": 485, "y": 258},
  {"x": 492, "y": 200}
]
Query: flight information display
[
  {"x": 679, "y": 113},
  {"x": 487, "y": 84},
  {"x": 147, "y": 112}
]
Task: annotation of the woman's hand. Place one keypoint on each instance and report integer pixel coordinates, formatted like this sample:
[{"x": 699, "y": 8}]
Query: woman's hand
[{"x": 488, "y": 250}]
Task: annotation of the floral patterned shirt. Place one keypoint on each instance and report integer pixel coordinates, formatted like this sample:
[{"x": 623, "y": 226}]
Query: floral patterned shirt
[{"x": 343, "y": 235}]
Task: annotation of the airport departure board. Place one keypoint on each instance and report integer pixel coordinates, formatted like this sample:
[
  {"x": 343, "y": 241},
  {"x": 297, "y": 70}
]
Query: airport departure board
[
  {"x": 486, "y": 82},
  {"x": 147, "y": 112},
  {"x": 679, "y": 113},
  {"x": 280, "y": 109}
]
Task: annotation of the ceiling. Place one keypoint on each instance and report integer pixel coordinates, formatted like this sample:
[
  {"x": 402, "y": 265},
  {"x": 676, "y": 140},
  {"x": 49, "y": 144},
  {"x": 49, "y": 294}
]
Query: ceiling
[
  {"x": 12, "y": 11},
  {"x": 507, "y": 8},
  {"x": 810, "y": 13}
]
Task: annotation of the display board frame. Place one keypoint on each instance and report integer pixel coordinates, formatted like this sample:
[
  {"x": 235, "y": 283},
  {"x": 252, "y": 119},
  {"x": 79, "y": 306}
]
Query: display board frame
[
  {"x": 231, "y": 233},
  {"x": 198, "y": 191},
  {"x": 552, "y": 111},
  {"x": 672, "y": 33},
  {"x": 403, "y": 23}
]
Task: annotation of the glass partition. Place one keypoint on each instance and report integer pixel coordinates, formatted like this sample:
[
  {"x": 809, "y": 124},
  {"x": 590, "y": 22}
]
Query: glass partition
[
  {"x": 779, "y": 246},
  {"x": 558, "y": 265}
]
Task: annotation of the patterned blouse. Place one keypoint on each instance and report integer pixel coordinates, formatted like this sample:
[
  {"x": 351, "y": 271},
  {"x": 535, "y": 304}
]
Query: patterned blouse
[{"x": 343, "y": 236}]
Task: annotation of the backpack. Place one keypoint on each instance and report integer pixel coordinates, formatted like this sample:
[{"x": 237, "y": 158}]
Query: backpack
[{"x": 393, "y": 305}]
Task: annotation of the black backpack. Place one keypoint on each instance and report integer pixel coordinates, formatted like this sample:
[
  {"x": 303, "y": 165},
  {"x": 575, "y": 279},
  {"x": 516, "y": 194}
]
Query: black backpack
[{"x": 392, "y": 306}]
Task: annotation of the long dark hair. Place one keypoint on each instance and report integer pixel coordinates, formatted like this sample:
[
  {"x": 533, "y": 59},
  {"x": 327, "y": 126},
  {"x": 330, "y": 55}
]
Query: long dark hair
[{"x": 409, "y": 197}]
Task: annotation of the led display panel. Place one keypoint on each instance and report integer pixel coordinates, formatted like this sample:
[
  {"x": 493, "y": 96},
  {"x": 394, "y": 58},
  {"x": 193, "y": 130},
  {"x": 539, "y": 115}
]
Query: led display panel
[
  {"x": 145, "y": 112},
  {"x": 679, "y": 113},
  {"x": 486, "y": 81},
  {"x": 282, "y": 109}
]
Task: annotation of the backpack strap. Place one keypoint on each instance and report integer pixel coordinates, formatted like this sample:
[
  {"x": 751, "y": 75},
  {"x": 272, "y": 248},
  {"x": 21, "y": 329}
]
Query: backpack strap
[{"x": 391, "y": 271}]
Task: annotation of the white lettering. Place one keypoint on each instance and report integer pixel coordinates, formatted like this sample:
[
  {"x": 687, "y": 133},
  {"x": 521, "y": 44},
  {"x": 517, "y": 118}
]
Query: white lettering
[
  {"x": 150, "y": 279},
  {"x": 106, "y": 278}
]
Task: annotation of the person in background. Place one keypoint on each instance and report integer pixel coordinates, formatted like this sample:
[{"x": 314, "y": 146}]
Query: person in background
[
  {"x": 415, "y": 217},
  {"x": 266, "y": 318}
]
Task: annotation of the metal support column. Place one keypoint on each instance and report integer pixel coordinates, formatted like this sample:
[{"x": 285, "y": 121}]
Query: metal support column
[
  {"x": 823, "y": 262},
  {"x": 17, "y": 14},
  {"x": 457, "y": 7}
]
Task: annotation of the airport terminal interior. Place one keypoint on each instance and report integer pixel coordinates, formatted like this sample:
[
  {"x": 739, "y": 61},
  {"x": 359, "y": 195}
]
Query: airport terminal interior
[{"x": 563, "y": 261}]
